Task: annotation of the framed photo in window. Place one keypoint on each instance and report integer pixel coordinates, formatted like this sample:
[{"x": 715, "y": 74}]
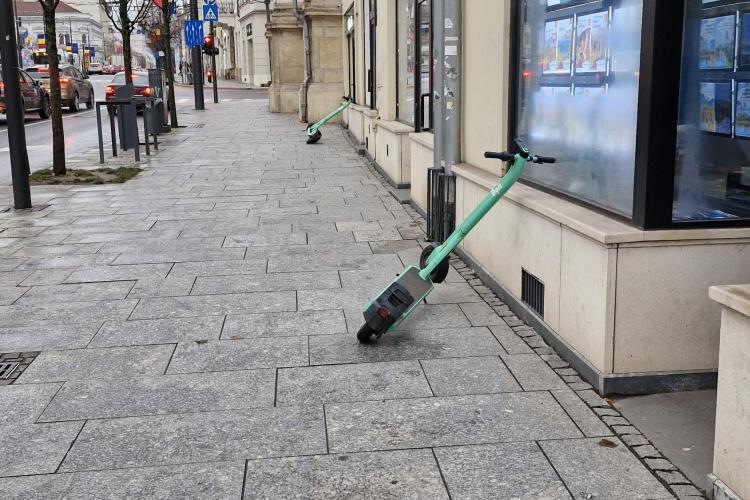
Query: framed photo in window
[
  {"x": 716, "y": 107},
  {"x": 592, "y": 40},
  {"x": 717, "y": 38},
  {"x": 742, "y": 110},
  {"x": 558, "y": 46}
]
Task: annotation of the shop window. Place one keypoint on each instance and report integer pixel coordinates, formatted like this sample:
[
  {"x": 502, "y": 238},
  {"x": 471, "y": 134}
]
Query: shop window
[
  {"x": 406, "y": 70},
  {"x": 577, "y": 96},
  {"x": 712, "y": 172},
  {"x": 423, "y": 93}
]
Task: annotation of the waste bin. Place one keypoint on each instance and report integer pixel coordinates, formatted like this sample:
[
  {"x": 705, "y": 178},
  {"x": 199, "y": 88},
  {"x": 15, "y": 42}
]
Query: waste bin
[{"x": 126, "y": 120}]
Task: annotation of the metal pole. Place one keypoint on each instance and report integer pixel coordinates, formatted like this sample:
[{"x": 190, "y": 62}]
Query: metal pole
[
  {"x": 19, "y": 160},
  {"x": 197, "y": 63},
  {"x": 213, "y": 63},
  {"x": 438, "y": 85},
  {"x": 452, "y": 81}
]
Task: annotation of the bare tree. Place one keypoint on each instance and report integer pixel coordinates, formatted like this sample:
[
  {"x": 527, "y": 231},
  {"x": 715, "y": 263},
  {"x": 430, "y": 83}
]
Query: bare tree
[
  {"x": 58, "y": 133},
  {"x": 125, "y": 16},
  {"x": 167, "y": 30}
]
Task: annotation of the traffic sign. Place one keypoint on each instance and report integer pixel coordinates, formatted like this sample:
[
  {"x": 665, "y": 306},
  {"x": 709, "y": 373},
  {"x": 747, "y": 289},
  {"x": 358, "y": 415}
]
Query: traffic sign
[
  {"x": 194, "y": 33},
  {"x": 210, "y": 12},
  {"x": 209, "y": 2}
]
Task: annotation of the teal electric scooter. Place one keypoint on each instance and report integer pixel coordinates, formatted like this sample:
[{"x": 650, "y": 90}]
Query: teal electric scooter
[
  {"x": 414, "y": 284},
  {"x": 313, "y": 131}
]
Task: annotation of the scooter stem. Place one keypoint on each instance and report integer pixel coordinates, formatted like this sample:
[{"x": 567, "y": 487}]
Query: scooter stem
[{"x": 497, "y": 192}]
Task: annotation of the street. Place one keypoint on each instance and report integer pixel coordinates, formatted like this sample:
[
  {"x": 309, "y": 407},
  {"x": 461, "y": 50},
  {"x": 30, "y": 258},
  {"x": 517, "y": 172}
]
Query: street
[{"x": 80, "y": 128}]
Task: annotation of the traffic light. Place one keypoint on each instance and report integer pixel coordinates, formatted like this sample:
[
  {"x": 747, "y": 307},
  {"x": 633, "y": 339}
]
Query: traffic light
[
  {"x": 208, "y": 46},
  {"x": 210, "y": 76}
]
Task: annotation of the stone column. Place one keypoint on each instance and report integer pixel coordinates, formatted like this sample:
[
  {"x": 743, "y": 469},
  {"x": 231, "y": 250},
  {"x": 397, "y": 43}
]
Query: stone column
[
  {"x": 327, "y": 87},
  {"x": 287, "y": 59}
]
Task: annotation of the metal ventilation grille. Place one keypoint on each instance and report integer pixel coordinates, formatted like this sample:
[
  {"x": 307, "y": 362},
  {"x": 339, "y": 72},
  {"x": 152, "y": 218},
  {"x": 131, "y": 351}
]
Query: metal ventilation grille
[
  {"x": 7, "y": 369},
  {"x": 532, "y": 292}
]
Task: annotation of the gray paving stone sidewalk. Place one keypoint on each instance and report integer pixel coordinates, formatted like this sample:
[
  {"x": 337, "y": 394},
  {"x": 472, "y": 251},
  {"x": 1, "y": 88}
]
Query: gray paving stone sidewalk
[{"x": 196, "y": 328}]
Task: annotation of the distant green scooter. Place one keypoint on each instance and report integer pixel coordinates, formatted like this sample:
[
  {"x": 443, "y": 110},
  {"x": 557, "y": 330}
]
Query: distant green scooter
[
  {"x": 414, "y": 284},
  {"x": 313, "y": 131}
]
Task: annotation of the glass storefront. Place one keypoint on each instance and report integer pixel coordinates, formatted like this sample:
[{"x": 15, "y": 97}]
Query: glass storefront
[
  {"x": 712, "y": 173},
  {"x": 577, "y": 96},
  {"x": 406, "y": 43}
]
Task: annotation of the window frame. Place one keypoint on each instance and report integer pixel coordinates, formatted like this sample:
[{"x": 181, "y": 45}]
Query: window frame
[
  {"x": 418, "y": 92},
  {"x": 657, "y": 117}
]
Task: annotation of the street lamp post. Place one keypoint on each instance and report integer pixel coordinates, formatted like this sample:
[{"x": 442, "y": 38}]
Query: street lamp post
[
  {"x": 197, "y": 63},
  {"x": 19, "y": 159}
]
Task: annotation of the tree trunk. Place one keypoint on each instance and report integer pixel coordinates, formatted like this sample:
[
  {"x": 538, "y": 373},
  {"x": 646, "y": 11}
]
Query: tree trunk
[
  {"x": 167, "y": 30},
  {"x": 126, "y": 54},
  {"x": 58, "y": 133}
]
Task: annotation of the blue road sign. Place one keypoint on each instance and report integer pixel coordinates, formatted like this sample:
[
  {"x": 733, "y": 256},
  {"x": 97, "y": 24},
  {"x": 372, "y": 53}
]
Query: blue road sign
[
  {"x": 194, "y": 33},
  {"x": 210, "y": 12},
  {"x": 209, "y": 2},
  {"x": 75, "y": 48}
]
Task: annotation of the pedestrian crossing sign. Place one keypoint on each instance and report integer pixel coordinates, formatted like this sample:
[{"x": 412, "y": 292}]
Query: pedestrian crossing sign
[{"x": 210, "y": 12}]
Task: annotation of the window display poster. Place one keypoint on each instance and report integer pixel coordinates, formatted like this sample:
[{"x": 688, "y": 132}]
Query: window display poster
[
  {"x": 744, "y": 56},
  {"x": 742, "y": 110},
  {"x": 591, "y": 43},
  {"x": 558, "y": 46},
  {"x": 716, "y": 107},
  {"x": 717, "y": 43}
]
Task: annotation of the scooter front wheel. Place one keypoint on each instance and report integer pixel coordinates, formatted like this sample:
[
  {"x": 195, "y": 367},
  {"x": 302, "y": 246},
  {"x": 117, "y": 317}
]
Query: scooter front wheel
[
  {"x": 439, "y": 274},
  {"x": 366, "y": 335},
  {"x": 312, "y": 139}
]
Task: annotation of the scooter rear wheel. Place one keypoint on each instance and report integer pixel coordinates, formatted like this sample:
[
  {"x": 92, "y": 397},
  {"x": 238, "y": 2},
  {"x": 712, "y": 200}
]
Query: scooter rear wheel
[
  {"x": 315, "y": 137},
  {"x": 439, "y": 274},
  {"x": 366, "y": 335}
]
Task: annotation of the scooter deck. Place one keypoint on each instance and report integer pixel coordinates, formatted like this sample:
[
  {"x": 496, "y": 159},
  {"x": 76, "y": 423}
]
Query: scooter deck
[{"x": 417, "y": 287}]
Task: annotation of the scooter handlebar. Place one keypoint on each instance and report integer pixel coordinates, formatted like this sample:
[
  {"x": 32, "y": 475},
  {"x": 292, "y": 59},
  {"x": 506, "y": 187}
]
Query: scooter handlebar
[
  {"x": 544, "y": 159},
  {"x": 504, "y": 155}
]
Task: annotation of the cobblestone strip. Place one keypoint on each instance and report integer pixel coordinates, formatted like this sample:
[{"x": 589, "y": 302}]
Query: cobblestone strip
[{"x": 664, "y": 470}]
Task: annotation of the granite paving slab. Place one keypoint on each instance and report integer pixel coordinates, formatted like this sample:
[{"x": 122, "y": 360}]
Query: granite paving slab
[
  {"x": 157, "y": 331},
  {"x": 77, "y": 292},
  {"x": 499, "y": 471},
  {"x": 35, "y": 448},
  {"x": 58, "y": 250},
  {"x": 66, "y": 261},
  {"x": 221, "y": 267},
  {"x": 214, "y": 305},
  {"x": 264, "y": 239},
  {"x": 340, "y": 261},
  {"x": 156, "y": 256},
  {"x": 219, "y": 480},
  {"x": 69, "y": 313},
  {"x": 22, "y": 404},
  {"x": 446, "y": 421},
  {"x": 593, "y": 470},
  {"x": 510, "y": 341},
  {"x": 159, "y": 395},
  {"x": 118, "y": 273},
  {"x": 480, "y": 314},
  {"x": 459, "y": 376},
  {"x": 404, "y": 345},
  {"x": 120, "y": 236},
  {"x": 197, "y": 437},
  {"x": 409, "y": 474},
  {"x": 13, "y": 278},
  {"x": 589, "y": 423},
  {"x": 284, "y": 324},
  {"x": 78, "y": 364},
  {"x": 10, "y": 294},
  {"x": 206, "y": 285},
  {"x": 453, "y": 293},
  {"x": 243, "y": 354},
  {"x": 532, "y": 373},
  {"x": 45, "y": 336},
  {"x": 47, "y": 277},
  {"x": 357, "y": 382}
]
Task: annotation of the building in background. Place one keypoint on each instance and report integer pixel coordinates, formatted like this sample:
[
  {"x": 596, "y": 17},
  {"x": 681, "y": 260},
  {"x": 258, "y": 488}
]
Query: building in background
[
  {"x": 251, "y": 44},
  {"x": 75, "y": 29}
]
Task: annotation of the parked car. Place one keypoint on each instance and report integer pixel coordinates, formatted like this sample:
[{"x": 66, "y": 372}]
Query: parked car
[
  {"x": 35, "y": 97},
  {"x": 75, "y": 87},
  {"x": 95, "y": 69},
  {"x": 140, "y": 85}
]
